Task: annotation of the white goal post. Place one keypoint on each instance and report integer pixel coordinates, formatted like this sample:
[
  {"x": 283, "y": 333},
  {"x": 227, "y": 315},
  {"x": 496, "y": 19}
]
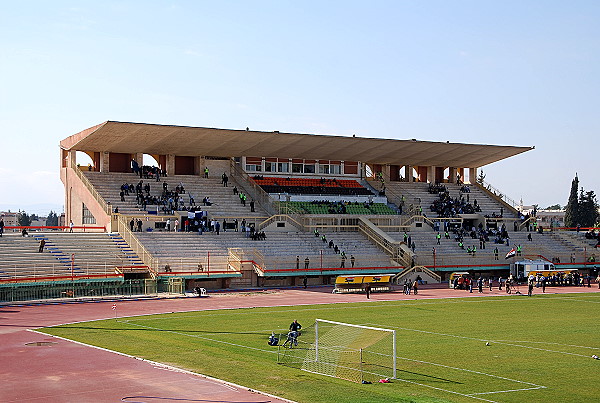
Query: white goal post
[{"x": 343, "y": 350}]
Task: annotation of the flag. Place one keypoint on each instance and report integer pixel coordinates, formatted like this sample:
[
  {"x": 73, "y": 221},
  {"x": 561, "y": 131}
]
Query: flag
[
  {"x": 114, "y": 307},
  {"x": 511, "y": 253}
]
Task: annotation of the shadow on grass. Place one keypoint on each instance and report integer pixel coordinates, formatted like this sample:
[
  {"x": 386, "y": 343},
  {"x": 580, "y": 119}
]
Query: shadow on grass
[{"x": 420, "y": 376}]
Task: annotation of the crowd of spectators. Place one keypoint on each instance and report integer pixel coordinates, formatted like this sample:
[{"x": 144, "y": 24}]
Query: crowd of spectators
[
  {"x": 592, "y": 234},
  {"x": 147, "y": 171},
  {"x": 446, "y": 206}
]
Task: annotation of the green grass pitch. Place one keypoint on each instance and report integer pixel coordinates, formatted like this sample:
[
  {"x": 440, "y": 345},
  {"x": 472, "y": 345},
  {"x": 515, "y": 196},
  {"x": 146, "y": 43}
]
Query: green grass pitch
[{"x": 539, "y": 349}]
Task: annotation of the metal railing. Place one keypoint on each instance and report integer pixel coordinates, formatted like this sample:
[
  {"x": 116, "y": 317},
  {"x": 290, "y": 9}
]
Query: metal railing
[
  {"x": 496, "y": 194},
  {"x": 295, "y": 221},
  {"x": 53, "y": 272},
  {"x": 135, "y": 244},
  {"x": 77, "y": 290},
  {"x": 103, "y": 204},
  {"x": 417, "y": 269},
  {"x": 395, "y": 249},
  {"x": 321, "y": 262},
  {"x": 246, "y": 183},
  {"x": 205, "y": 265}
]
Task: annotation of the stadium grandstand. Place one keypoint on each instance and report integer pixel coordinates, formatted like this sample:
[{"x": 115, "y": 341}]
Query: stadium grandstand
[{"x": 162, "y": 207}]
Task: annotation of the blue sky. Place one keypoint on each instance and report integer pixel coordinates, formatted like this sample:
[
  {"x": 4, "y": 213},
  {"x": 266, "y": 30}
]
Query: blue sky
[{"x": 511, "y": 73}]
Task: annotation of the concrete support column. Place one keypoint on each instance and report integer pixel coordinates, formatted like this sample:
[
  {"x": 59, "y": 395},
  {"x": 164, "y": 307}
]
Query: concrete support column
[
  {"x": 71, "y": 158},
  {"x": 408, "y": 170},
  {"x": 452, "y": 172},
  {"x": 199, "y": 165},
  {"x": 386, "y": 171},
  {"x": 431, "y": 174},
  {"x": 105, "y": 161},
  {"x": 461, "y": 172},
  {"x": 170, "y": 164},
  {"x": 472, "y": 175}
]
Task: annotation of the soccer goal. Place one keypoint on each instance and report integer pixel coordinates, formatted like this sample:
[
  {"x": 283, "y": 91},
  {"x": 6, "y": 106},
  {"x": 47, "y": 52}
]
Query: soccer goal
[{"x": 343, "y": 350}]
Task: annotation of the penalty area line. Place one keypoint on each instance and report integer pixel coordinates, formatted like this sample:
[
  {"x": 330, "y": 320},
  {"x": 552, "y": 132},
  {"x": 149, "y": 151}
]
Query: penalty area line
[{"x": 508, "y": 390}]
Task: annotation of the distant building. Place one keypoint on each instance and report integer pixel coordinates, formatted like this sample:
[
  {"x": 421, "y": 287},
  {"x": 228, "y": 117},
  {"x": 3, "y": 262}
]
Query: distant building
[
  {"x": 10, "y": 218},
  {"x": 545, "y": 218}
]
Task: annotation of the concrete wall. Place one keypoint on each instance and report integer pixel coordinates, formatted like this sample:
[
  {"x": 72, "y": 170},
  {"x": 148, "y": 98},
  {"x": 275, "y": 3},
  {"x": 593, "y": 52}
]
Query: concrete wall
[{"x": 76, "y": 193}]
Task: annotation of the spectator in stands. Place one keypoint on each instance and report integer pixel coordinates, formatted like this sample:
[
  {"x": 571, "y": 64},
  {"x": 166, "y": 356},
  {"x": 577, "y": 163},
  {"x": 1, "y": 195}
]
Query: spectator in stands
[
  {"x": 352, "y": 260},
  {"x": 252, "y": 206},
  {"x": 71, "y": 225},
  {"x": 1, "y": 226},
  {"x": 298, "y": 263},
  {"x": 135, "y": 167},
  {"x": 139, "y": 225},
  {"x": 42, "y": 244},
  {"x": 235, "y": 190},
  {"x": 306, "y": 262},
  {"x": 24, "y": 233}
]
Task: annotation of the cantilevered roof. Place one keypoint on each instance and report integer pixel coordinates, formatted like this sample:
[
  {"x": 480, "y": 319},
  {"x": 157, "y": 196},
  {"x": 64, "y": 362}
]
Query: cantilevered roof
[{"x": 122, "y": 137}]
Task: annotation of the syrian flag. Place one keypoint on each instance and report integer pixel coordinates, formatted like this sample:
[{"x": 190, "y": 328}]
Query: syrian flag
[
  {"x": 511, "y": 253},
  {"x": 114, "y": 307}
]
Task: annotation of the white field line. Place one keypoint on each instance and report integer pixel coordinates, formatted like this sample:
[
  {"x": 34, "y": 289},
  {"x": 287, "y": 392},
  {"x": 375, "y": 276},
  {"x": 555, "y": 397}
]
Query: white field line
[
  {"x": 534, "y": 386},
  {"x": 220, "y": 382},
  {"x": 403, "y": 380},
  {"x": 318, "y": 306},
  {"x": 482, "y": 340},
  {"x": 246, "y": 310},
  {"x": 445, "y": 390},
  {"x": 201, "y": 337},
  {"x": 508, "y": 390},
  {"x": 472, "y": 371},
  {"x": 546, "y": 342}
]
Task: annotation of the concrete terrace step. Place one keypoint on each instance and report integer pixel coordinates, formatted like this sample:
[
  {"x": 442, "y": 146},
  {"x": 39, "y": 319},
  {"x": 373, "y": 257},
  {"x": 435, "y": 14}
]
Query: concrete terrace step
[{"x": 225, "y": 203}]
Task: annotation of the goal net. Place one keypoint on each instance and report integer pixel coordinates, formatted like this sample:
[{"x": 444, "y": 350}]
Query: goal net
[{"x": 342, "y": 350}]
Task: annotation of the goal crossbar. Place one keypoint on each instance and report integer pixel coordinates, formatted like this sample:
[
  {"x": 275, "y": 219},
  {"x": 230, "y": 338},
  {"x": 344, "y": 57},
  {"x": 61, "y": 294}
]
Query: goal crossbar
[{"x": 352, "y": 325}]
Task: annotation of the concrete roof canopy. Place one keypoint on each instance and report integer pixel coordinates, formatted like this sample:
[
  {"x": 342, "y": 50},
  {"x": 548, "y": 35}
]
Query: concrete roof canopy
[{"x": 123, "y": 137}]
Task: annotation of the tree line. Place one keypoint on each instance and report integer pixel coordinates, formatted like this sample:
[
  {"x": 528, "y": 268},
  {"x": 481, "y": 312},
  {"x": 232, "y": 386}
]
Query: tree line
[{"x": 582, "y": 207}]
